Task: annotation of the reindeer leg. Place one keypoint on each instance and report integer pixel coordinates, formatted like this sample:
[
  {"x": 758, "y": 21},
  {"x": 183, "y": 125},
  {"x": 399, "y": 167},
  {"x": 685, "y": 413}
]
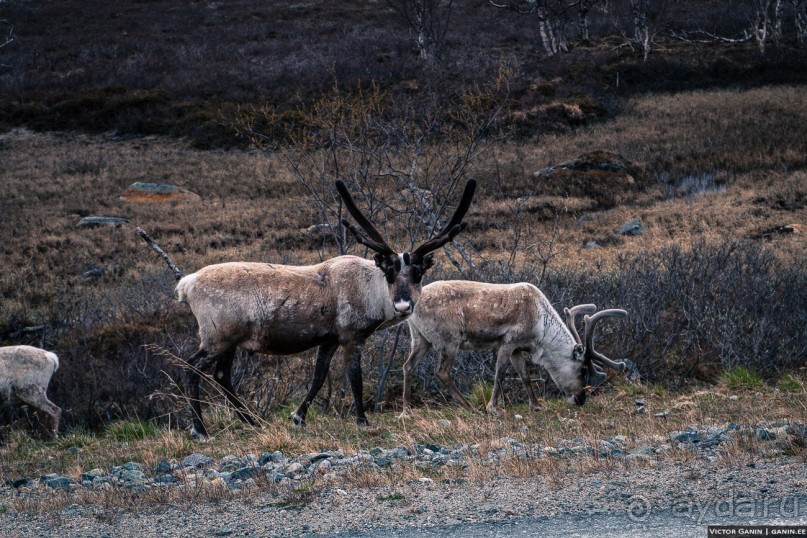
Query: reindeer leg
[
  {"x": 324, "y": 355},
  {"x": 420, "y": 346},
  {"x": 353, "y": 361},
  {"x": 36, "y": 398},
  {"x": 223, "y": 375},
  {"x": 503, "y": 358},
  {"x": 444, "y": 367},
  {"x": 519, "y": 362},
  {"x": 199, "y": 362}
]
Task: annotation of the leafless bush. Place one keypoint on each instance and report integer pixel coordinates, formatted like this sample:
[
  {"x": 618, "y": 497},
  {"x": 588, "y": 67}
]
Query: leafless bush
[{"x": 695, "y": 311}]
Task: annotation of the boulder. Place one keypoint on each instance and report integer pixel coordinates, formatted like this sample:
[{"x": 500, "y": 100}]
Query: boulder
[
  {"x": 98, "y": 221},
  {"x": 140, "y": 191},
  {"x": 604, "y": 177}
]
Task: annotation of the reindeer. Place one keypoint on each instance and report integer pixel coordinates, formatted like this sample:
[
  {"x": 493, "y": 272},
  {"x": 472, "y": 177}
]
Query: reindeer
[
  {"x": 519, "y": 322},
  {"x": 284, "y": 309},
  {"x": 25, "y": 373}
]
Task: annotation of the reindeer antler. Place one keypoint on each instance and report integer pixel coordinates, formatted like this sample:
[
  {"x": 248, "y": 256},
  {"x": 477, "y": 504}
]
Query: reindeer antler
[
  {"x": 571, "y": 317},
  {"x": 452, "y": 228},
  {"x": 373, "y": 239},
  {"x": 591, "y": 353}
]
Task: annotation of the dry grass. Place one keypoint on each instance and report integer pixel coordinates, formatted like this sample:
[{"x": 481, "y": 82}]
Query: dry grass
[{"x": 609, "y": 414}]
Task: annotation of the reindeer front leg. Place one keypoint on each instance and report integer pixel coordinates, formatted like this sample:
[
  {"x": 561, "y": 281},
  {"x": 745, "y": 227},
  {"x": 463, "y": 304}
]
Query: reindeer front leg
[
  {"x": 353, "y": 362},
  {"x": 503, "y": 359},
  {"x": 420, "y": 346},
  {"x": 324, "y": 355},
  {"x": 519, "y": 362},
  {"x": 444, "y": 368}
]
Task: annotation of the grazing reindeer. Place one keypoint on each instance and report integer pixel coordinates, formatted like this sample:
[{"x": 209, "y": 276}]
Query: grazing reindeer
[
  {"x": 515, "y": 319},
  {"x": 25, "y": 373},
  {"x": 284, "y": 309}
]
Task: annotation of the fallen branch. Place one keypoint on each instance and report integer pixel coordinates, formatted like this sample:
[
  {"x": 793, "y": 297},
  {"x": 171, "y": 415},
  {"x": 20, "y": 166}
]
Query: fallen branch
[
  {"x": 156, "y": 248},
  {"x": 712, "y": 38}
]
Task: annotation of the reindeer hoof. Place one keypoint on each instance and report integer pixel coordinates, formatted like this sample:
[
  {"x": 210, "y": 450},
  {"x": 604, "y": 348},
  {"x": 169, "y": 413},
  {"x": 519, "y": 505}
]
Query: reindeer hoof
[
  {"x": 298, "y": 420},
  {"x": 199, "y": 435},
  {"x": 492, "y": 411},
  {"x": 362, "y": 421}
]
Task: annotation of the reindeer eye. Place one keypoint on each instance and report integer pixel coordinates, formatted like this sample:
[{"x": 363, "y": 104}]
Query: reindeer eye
[{"x": 417, "y": 274}]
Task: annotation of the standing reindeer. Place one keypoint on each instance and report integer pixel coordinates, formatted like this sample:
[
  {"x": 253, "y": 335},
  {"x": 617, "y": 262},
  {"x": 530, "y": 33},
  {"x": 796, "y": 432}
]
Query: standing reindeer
[
  {"x": 284, "y": 309},
  {"x": 515, "y": 319},
  {"x": 25, "y": 373}
]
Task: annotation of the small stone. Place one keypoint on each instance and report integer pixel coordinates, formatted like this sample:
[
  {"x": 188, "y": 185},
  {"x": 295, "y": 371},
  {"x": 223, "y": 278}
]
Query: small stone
[
  {"x": 765, "y": 435},
  {"x": 196, "y": 460},
  {"x": 661, "y": 415},
  {"x": 162, "y": 467},
  {"x": 734, "y": 398},
  {"x": 294, "y": 468},
  {"x": 60, "y": 482},
  {"x": 244, "y": 473},
  {"x": 633, "y": 227},
  {"x": 641, "y": 410}
]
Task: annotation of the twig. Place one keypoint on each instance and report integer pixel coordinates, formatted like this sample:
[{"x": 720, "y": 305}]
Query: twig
[{"x": 177, "y": 273}]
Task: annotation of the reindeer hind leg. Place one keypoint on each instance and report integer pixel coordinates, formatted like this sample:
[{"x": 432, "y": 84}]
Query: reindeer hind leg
[{"x": 223, "y": 376}]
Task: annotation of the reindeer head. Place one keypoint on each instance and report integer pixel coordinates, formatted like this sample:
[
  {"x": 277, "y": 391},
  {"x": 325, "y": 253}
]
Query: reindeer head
[
  {"x": 404, "y": 271},
  {"x": 587, "y": 360}
]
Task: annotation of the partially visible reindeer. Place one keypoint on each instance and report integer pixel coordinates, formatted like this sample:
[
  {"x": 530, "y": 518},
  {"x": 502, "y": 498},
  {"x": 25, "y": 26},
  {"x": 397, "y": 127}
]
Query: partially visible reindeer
[
  {"x": 283, "y": 309},
  {"x": 515, "y": 319},
  {"x": 25, "y": 373}
]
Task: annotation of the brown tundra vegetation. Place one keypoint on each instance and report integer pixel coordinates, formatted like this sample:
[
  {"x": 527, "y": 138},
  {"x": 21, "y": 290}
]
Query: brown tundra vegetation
[{"x": 695, "y": 135}]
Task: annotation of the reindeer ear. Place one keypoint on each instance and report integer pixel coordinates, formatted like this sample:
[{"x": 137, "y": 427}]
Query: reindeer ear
[{"x": 380, "y": 260}]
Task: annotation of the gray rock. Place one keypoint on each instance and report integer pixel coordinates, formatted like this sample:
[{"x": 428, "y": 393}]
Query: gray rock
[
  {"x": 765, "y": 434},
  {"x": 400, "y": 452},
  {"x": 131, "y": 476},
  {"x": 95, "y": 222},
  {"x": 245, "y": 472},
  {"x": 162, "y": 467},
  {"x": 59, "y": 482},
  {"x": 91, "y": 475},
  {"x": 688, "y": 436},
  {"x": 633, "y": 227},
  {"x": 230, "y": 463},
  {"x": 197, "y": 460},
  {"x": 273, "y": 457},
  {"x": 165, "y": 479}
]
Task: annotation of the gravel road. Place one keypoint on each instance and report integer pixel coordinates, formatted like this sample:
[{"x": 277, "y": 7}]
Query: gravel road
[{"x": 663, "y": 498}]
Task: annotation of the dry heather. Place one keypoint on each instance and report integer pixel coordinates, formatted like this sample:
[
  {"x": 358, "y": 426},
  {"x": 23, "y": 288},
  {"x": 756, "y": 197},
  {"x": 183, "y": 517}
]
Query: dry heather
[{"x": 712, "y": 167}]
